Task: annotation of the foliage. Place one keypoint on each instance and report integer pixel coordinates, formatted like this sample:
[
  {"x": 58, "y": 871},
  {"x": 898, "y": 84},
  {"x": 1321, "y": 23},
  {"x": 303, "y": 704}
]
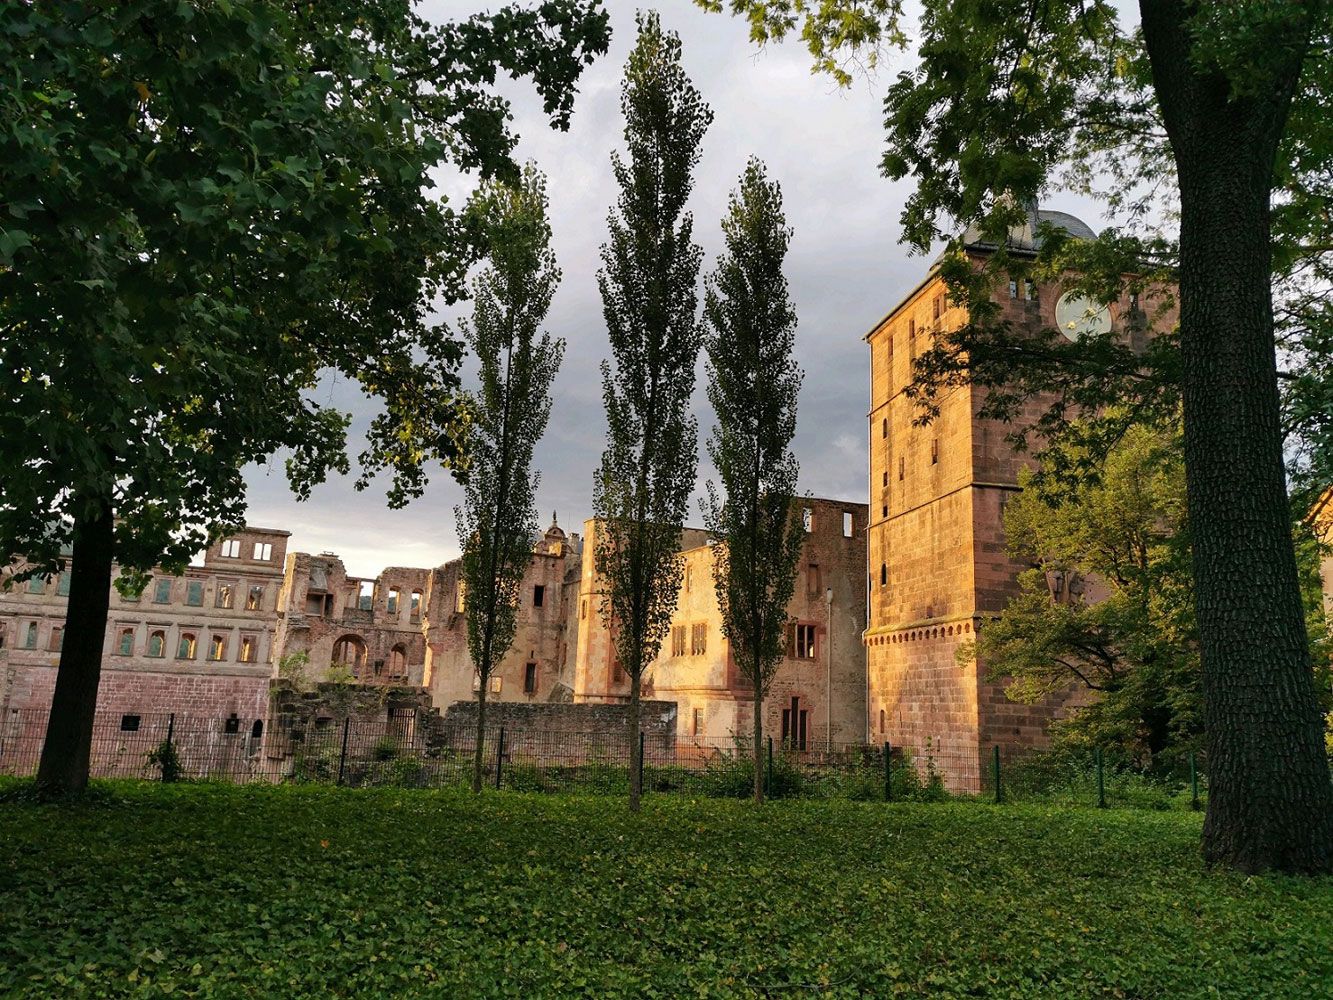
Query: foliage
[
  {"x": 308, "y": 891},
  {"x": 293, "y": 668},
  {"x": 650, "y": 268},
  {"x": 753, "y": 383},
  {"x": 167, "y": 761},
  {"x": 497, "y": 520}
]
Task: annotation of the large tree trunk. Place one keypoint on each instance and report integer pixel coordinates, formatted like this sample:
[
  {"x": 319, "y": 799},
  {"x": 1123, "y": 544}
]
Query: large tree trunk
[
  {"x": 479, "y": 753},
  {"x": 635, "y": 774},
  {"x": 69, "y": 732},
  {"x": 1270, "y": 805},
  {"x": 758, "y": 746}
]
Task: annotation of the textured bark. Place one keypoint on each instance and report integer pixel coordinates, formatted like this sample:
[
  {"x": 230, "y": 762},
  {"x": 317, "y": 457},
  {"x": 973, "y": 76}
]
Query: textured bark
[
  {"x": 65, "y": 754},
  {"x": 1270, "y": 805},
  {"x": 758, "y": 747},
  {"x": 635, "y": 773},
  {"x": 479, "y": 753}
]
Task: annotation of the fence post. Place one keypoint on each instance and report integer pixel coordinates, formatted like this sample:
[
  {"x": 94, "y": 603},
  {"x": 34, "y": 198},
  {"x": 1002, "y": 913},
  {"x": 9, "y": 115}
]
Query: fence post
[
  {"x": 342, "y": 757},
  {"x": 1101, "y": 780},
  {"x": 995, "y": 767},
  {"x": 499, "y": 757},
  {"x": 1194, "y": 784},
  {"x": 888, "y": 772},
  {"x": 768, "y": 771},
  {"x": 642, "y": 787},
  {"x": 168, "y": 771}
]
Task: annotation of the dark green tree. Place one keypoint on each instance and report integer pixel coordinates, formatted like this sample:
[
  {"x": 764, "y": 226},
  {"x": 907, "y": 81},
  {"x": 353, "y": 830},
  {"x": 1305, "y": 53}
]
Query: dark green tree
[
  {"x": 497, "y": 520},
  {"x": 207, "y": 206},
  {"x": 648, "y": 282},
  {"x": 1212, "y": 101},
  {"x": 753, "y": 383}
]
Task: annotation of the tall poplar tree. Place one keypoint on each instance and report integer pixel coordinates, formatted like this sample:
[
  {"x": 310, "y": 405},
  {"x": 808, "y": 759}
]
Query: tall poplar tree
[
  {"x": 648, "y": 279},
  {"x": 497, "y": 520},
  {"x": 753, "y": 383},
  {"x": 1222, "y": 104}
]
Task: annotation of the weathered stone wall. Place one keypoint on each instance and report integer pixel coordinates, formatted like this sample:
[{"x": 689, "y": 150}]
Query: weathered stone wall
[{"x": 458, "y": 725}]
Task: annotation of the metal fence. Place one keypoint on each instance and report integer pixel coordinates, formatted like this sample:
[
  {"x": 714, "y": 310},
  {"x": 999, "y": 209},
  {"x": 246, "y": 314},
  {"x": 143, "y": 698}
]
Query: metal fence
[{"x": 395, "y": 750}]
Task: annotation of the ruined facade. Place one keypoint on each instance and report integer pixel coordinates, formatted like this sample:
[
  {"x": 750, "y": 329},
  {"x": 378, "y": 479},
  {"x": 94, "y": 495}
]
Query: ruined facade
[
  {"x": 199, "y": 642},
  {"x": 938, "y": 565},
  {"x": 818, "y": 695}
]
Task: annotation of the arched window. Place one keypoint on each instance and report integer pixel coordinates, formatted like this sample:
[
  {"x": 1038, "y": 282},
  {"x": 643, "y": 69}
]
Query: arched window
[
  {"x": 186, "y": 649},
  {"x": 257, "y": 730},
  {"x": 883, "y": 574},
  {"x": 30, "y": 636},
  {"x": 125, "y": 646},
  {"x": 248, "y": 649},
  {"x": 350, "y": 652},
  {"x": 217, "y": 648},
  {"x": 157, "y": 644}
]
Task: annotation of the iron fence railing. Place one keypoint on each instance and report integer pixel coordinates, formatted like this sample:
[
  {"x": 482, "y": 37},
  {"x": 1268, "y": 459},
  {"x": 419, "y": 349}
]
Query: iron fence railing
[{"x": 398, "y": 749}]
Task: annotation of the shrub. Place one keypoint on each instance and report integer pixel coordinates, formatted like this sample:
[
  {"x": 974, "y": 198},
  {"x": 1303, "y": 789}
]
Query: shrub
[{"x": 167, "y": 761}]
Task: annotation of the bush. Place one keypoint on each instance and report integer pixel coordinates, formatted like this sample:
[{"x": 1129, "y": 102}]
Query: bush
[{"x": 167, "y": 761}]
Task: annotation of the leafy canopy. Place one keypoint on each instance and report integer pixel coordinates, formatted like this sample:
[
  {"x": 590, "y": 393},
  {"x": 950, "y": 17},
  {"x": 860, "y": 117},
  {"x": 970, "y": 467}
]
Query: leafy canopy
[{"x": 209, "y": 206}]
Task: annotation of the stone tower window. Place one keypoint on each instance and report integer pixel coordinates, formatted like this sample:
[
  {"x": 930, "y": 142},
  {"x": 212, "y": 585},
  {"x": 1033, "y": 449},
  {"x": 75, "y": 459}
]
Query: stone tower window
[
  {"x": 902, "y": 467},
  {"x": 883, "y": 574},
  {"x": 530, "y": 678},
  {"x": 393, "y": 601},
  {"x": 414, "y": 608},
  {"x": 538, "y": 596},
  {"x": 935, "y": 451},
  {"x": 884, "y": 428}
]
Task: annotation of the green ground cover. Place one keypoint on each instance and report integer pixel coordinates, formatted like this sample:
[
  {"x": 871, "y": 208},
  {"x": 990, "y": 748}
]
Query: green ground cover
[{"x": 317, "y": 891}]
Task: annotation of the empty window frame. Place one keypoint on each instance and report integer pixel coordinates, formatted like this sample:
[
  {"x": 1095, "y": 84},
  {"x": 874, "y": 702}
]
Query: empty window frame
[
  {"x": 529, "y": 678},
  {"x": 807, "y": 519},
  {"x": 231, "y": 725},
  {"x": 392, "y": 604},
  {"x": 226, "y": 596},
  {"x": 249, "y": 649},
  {"x": 157, "y": 643},
  {"x": 813, "y": 580},
  {"x": 883, "y": 574},
  {"x": 937, "y": 306},
  {"x": 884, "y": 428},
  {"x": 55, "y": 640},
  {"x": 1013, "y": 294},
  {"x": 698, "y": 639},
  {"x": 902, "y": 468},
  {"x": 365, "y": 600},
  {"x": 263, "y": 552},
  {"x": 254, "y": 599},
  {"x": 538, "y": 595},
  {"x": 794, "y": 725},
  {"x": 231, "y": 548},
  {"x": 1029, "y": 290},
  {"x": 217, "y": 648},
  {"x": 697, "y": 722},
  {"x": 186, "y": 647},
  {"x": 801, "y": 642},
  {"x": 414, "y": 608}
]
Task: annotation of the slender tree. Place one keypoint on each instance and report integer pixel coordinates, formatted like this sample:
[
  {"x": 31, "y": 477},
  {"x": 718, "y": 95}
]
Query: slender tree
[
  {"x": 497, "y": 520},
  {"x": 753, "y": 383},
  {"x": 1219, "y": 103},
  {"x": 650, "y": 269},
  {"x": 207, "y": 205}
]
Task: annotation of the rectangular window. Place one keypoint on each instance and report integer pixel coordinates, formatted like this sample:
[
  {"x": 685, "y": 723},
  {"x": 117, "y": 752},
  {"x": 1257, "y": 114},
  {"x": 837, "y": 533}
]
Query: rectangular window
[
  {"x": 217, "y": 648},
  {"x": 162, "y": 590},
  {"x": 36, "y": 585},
  {"x": 678, "y": 640},
  {"x": 495, "y": 685},
  {"x": 794, "y": 726},
  {"x": 30, "y": 636},
  {"x": 698, "y": 639},
  {"x": 231, "y": 548},
  {"x": 583, "y": 610},
  {"x": 935, "y": 451},
  {"x": 1013, "y": 288},
  {"x": 125, "y": 644},
  {"x": 194, "y": 593},
  {"x": 617, "y": 671},
  {"x": 1029, "y": 290},
  {"x": 529, "y": 678},
  {"x": 911, "y": 338},
  {"x": 62, "y": 585},
  {"x": 802, "y": 642},
  {"x": 129, "y": 723},
  {"x": 689, "y": 578},
  {"x": 249, "y": 648},
  {"x": 697, "y": 723},
  {"x": 225, "y": 596},
  {"x": 57, "y": 637},
  {"x": 231, "y": 725},
  {"x": 185, "y": 649},
  {"x": 538, "y": 596},
  {"x": 847, "y": 522},
  {"x": 414, "y": 609},
  {"x": 254, "y": 600},
  {"x": 807, "y": 519},
  {"x": 902, "y": 467},
  {"x": 263, "y": 551},
  {"x": 812, "y": 580},
  {"x": 938, "y": 306},
  {"x": 393, "y": 601}
]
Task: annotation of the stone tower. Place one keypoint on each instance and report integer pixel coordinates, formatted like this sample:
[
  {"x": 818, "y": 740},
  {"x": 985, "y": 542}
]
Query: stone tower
[{"x": 938, "y": 565}]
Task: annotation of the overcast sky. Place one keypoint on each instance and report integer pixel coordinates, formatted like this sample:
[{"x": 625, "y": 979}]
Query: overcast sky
[{"x": 846, "y": 269}]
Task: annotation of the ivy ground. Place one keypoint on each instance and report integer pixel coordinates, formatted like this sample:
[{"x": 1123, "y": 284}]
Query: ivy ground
[{"x": 314, "y": 891}]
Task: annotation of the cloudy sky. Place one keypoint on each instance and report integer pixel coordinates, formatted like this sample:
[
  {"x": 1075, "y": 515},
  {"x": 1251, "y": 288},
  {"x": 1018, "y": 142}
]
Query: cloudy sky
[{"x": 846, "y": 269}]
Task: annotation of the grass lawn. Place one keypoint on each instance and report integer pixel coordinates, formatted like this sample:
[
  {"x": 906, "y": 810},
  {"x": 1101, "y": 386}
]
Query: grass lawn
[{"x": 316, "y": 891}]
